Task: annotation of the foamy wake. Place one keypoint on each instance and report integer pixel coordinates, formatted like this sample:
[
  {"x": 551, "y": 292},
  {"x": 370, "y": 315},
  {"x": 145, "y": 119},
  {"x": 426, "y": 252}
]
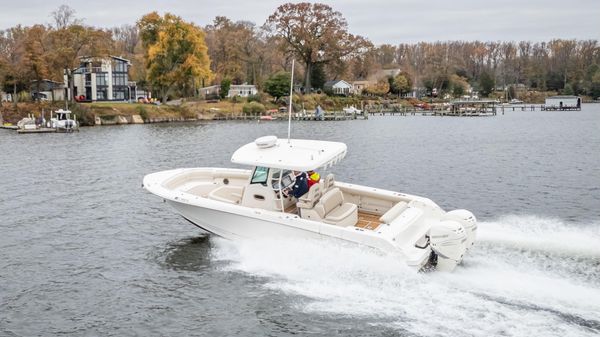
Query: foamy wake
[{"x": 495, "y": 292}]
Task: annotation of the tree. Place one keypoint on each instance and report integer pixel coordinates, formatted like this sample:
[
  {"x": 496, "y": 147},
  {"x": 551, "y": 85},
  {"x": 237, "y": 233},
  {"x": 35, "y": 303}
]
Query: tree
[
  {"x": 176, "y": 52},
  {"x": 486, "y": 84},
  {"x": 318, "y": 76},
  {"x": 459, "y": 85},
  {"x": 595, "y": 85},
  {"x": 315, "y": 33},
  {"x": 568, "y": 90},
  {"x": 225, "y": 86},
  {"x": 12, "y": 52},
  {"x": 380, "y": 89},
  {"x": 36, "y": 54},
  {"x": 400, "y": 83},
  {"x": 64, "y": 16},
  {"x": 278, "y": 85}
]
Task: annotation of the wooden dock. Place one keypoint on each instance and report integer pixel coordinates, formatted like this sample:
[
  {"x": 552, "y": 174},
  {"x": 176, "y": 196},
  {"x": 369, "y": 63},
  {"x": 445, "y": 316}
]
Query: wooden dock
[
  {"x": 328, "y": 116},
  {"x": 457, "y": 109},
  {"x": 37, "y": 130}
]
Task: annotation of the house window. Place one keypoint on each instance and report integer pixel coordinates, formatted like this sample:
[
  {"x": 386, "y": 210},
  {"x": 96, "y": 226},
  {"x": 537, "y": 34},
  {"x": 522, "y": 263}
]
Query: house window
[
  {"x": 119, "y": 94},
  {"x": 101, "y": 79},
  {"x": 120, "y": 66},
  {"x": 101, "y": 94},
  {"x": 119, "y": 79}
]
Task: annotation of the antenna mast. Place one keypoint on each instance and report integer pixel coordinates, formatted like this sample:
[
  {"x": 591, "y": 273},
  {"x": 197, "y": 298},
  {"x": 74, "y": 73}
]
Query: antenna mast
[{"x": 290, "y": 107}]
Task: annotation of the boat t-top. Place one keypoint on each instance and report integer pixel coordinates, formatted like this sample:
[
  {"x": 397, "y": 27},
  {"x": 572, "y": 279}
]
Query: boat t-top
[{"x": 252, "y": 203}]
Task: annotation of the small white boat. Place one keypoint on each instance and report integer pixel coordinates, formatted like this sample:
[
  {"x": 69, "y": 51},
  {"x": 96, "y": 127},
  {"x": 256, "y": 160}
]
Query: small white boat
[
  {"x": 62, "y": 121},
  {"x": 248, "y": 204},
  {"x": 352, "y": 110}
]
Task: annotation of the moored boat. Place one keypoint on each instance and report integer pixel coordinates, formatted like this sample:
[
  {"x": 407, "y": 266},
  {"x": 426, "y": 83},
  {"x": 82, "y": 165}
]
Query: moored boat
[{"x": 62, "y": 121}]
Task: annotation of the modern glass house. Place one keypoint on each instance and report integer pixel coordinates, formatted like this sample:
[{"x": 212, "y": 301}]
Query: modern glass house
[{"x": 102, "y": 79}]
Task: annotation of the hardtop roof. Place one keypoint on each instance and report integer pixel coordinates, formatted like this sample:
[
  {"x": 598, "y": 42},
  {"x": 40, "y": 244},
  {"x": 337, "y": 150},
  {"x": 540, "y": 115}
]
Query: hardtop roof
[{"x": 297, "y": 154}]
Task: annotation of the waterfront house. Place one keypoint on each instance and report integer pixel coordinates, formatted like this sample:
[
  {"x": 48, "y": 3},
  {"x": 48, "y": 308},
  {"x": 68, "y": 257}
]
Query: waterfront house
[
  {"x": 338, "y": 87},
  {"x": 243, "y": 90},
  {"x": 48, "y": 90},
  {"x": 102, "y": 79},
  {"x": 563, "y": 103}
]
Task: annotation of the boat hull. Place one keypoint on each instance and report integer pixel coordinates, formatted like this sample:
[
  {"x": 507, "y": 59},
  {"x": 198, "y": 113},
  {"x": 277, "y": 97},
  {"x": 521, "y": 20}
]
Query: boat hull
[{"x": 234, "y": 226}]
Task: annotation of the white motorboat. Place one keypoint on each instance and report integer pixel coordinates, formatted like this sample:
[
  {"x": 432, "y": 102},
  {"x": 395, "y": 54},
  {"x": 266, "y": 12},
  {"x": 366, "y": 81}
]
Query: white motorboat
[
  {"x": 62, "y": 121},
  {"x": 248, "y": 204}
]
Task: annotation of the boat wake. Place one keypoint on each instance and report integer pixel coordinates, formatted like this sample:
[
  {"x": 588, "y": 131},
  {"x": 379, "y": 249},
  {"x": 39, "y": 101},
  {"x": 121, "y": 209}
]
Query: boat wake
[{"x": 525, "y": 276}]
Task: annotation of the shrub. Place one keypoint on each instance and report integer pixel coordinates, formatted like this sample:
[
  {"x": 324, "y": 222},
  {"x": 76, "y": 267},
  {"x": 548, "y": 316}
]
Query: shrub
[
  {"x": 254, "y": 108},
  {"x": 142, "y": 112},
  {"x": 255, "y": 98}
]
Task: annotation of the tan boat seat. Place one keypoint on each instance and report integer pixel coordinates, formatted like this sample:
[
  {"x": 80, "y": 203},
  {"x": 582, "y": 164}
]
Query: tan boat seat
[
  {"x": 328, "y": 182},
  {"x": 393, "y": 212},
  {"x": 332, "y": 209},
  {"x": 309, "y": 199}
]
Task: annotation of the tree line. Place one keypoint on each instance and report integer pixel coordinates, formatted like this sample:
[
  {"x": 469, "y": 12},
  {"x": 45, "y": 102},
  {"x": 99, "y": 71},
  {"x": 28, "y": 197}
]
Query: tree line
[{"x": 175, "y": 58}]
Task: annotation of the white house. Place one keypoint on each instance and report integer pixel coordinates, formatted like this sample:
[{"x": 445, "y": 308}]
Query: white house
[
  {"x": 243, "y": 90},
  {"x": 338, "y": 87},
  {"x": 563, "y": 103},
  {"x": 102, "y": 79}
]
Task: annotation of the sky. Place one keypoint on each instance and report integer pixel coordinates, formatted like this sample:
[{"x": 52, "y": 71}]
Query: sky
[{"x": 381, "y": 21}]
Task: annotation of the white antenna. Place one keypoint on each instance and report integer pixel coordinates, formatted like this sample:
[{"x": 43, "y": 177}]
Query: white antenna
[{"x": 290, "y": 107}]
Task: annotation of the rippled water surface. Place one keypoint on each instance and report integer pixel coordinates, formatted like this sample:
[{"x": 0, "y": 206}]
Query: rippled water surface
[{"x": 85, "y": 251}]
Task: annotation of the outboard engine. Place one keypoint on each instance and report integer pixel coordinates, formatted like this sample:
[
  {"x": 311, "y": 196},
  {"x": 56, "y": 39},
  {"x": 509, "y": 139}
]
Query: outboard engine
[
  {"x": 447, "y": 239},
  {"x": 469, "y": 222}
]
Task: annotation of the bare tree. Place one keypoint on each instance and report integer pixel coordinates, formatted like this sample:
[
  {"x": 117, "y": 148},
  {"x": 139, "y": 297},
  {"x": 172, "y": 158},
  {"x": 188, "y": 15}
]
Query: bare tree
[{"x": 64, "y": 16}]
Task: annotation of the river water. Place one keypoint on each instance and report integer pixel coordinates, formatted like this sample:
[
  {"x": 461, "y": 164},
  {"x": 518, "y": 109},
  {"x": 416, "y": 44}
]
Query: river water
[{"x": 85, "y": 251}]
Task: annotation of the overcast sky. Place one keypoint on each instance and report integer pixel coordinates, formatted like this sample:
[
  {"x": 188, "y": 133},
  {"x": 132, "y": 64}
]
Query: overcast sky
[{"x": 381, "y": 21}]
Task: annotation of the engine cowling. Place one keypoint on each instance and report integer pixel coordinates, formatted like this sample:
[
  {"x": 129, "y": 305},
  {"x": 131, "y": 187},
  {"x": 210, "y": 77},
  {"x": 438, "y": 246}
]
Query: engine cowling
[
  {"x": 447, "y": 239},
  {"x": 469, "y": 222}
]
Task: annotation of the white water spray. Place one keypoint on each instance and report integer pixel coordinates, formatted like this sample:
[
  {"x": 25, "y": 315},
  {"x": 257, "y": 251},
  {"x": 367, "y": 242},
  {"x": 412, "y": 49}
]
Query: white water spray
[{"x": 494, "y": 292}]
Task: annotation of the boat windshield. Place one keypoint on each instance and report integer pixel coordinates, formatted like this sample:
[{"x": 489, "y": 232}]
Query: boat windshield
[{"x": 260, "y": 175}]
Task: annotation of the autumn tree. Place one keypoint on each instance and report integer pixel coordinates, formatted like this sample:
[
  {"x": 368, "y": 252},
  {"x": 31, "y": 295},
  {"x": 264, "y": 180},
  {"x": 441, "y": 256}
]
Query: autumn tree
[
  {"x": 314, "y": 33},
  {"x": 12, "y": 55},
  {"x": 459, "y": 85},
  {"x": 176, "y": 52},
  {"x": 70, "y": 40},
  {"x": 37, "y": 60},
  {"x": 380, "y": 89}
]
